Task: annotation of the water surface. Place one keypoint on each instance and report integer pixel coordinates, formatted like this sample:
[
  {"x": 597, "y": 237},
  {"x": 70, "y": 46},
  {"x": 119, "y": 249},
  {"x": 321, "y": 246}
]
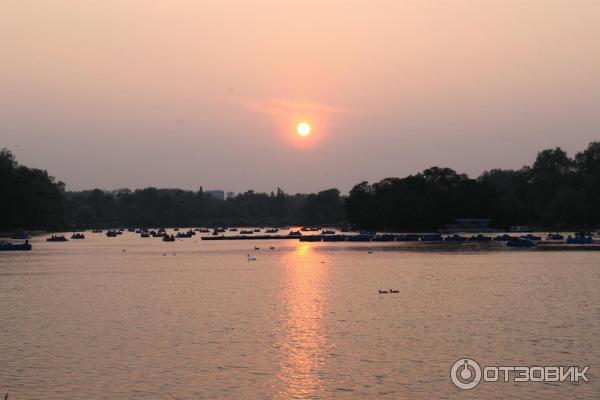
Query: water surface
[{"x": 135, "y": 318}]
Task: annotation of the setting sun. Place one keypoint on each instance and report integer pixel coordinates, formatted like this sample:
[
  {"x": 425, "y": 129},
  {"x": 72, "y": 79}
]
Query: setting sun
[{"x": 303, "y": 129}]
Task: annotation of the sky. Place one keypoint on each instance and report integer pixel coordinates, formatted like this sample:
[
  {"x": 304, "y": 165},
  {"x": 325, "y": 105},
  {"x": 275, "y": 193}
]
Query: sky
[{"x": 183, "y": 93}]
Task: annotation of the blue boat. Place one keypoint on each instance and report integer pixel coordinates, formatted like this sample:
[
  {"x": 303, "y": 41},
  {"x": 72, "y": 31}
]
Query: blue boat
[
  {"x": 432, "y": 237},
  {"x": 520, "y": 243},
  {"x": 5, "y": 246},
  {"x": 580, "y": 239},
  {"x": 555, "y": 236}
]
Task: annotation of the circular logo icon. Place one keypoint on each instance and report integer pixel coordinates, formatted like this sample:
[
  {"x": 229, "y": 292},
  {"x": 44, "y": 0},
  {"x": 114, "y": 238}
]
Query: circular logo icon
[{"x": 465, "y": 373}]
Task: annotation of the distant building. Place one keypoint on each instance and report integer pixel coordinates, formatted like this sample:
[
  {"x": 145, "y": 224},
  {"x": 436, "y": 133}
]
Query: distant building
[{"x": 216, "y": 194}]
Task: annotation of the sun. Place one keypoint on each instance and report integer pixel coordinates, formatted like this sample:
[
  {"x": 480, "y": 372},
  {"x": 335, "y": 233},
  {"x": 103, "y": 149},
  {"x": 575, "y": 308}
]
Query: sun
[{"x": 303, "y": 129}]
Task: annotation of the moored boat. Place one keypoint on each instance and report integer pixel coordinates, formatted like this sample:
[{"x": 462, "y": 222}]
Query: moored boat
[
  {"x": 520, "y": 242},
  {"x": 5, "y": 246},
  {"x": 57, "y": 238},
  {"x": 434, "y": 237},
  {"x": 455, "y": 238},
  {"x": 480, "y": 238},
  {"x": 21, "y": 236}
]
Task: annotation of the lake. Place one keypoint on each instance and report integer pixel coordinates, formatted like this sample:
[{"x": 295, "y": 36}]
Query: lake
[{"x": 133, "y": 318}]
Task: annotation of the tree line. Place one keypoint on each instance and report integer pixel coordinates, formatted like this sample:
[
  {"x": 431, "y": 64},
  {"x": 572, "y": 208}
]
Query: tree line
[{"x": 555, "y": 192}]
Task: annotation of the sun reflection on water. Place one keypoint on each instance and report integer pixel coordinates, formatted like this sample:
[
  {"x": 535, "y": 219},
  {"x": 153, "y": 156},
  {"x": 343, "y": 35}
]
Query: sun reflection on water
[{"x": 302, "y": 339}]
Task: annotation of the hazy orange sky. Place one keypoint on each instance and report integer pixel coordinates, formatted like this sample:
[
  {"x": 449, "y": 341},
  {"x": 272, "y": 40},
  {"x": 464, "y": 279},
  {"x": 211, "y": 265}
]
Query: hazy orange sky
[{"x": 182, "y": 93}]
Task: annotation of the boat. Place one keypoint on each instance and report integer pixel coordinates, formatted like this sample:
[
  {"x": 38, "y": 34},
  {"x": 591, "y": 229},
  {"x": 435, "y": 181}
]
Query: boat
[
  {"x": 520, "y": 242},
  {"x": 360, "y": 238},
  {"x": 311, "y": 238},
  {"x": 455, "y": 238},
  {"x": 233, "y": 229},
  {"x": 77, "y": 236},
  {"x": 168, "y": 238},
  {"x": 372, "y": 233},
  {"x": 5, "y": 246},
  {"x": 529, "y": 236},
  {"x": 256, "y": 230},
  {"x": 327, "y": 232},
  {"x": 580, "y": 238},
  {"x": 407, "y": 238},
  {"x": 504, "y": 238},
  {"x": 295, "y": 233},
  {"x": 145, "y": 235},
  {"x": 57, "y": 238},
  {"x": 335, "y": 238},
  {"x": 309, "y": 229},
  {"x": 554, "y": 236},
  {"x": 111, "y": 234},
  {"x": 480, "y": 238},
  {"x": 187, "y": 234},
  {"x": 272, "y": 230},
  {"x": 21, "y": 236},
  {"x": 386, "y": 237},
  {"x": 431, "y": 238}
]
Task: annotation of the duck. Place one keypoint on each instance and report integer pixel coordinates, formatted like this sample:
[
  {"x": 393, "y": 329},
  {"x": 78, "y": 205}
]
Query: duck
[
  {"x": 394, "y": 291},
  {"x": 251, "y": 258},
  {"x": 272, "y": 247},
  {"x": 256, "y": 248},
  {"x": 383, "y": 291}
]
